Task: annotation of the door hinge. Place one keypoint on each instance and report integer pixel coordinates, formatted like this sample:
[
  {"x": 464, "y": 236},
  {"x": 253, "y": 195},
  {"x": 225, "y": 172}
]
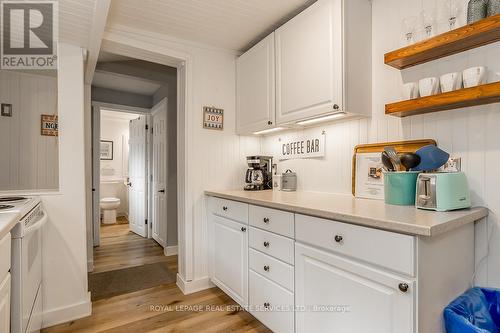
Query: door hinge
[
  {"x": 147, "y": 127},
  {"x": 146, "y": 221}
]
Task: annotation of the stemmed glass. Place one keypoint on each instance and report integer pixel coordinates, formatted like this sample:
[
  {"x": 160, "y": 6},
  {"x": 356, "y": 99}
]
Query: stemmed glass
[
  {"x": 409, "y": 25},
  {"x": 427, "y": 16},
  {"x": 453, "y": 10}
]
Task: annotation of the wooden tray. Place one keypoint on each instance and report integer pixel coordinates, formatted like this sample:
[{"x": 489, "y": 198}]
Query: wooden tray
[{"x": 410, "y": 146}]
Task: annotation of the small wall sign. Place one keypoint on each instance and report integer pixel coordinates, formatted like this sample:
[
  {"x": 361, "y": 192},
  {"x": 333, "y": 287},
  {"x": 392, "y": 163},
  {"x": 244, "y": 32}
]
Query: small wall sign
[
  {"x": 213, "y": 118},
  {"x": 302, "y": 147},
  {"x": 6, "y": 110},
  {"x": 50, "y": 125}
]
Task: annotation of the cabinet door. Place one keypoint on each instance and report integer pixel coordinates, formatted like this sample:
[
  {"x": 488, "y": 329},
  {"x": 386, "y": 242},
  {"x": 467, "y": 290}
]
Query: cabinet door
[
  {"x": 5, "y": 305},
  {"x": 341, "y": 295},
  {"x": 309, "y": 63},
  {"x": 256, "y": 88},
  {"x": 229, "y": 257}
]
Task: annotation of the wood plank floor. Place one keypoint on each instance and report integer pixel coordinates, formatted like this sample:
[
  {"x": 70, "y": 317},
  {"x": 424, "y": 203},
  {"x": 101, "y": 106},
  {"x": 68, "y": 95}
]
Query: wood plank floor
[
  {"x": 121, "y": 248},
  {"x": 159, "y": 309}
]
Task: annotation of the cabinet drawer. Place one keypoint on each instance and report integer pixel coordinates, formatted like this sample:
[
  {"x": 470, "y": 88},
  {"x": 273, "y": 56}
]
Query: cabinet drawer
[
  {"x": 273, "y": 220},
  {"x": 4, "y": 256},
  {"x": 271, "y": 304},
  {"x": 274, "y": 245},
  {"x": 388, "y": 249},
  {"x": 272, "y": 268},
  {"x": 233, "y": 210}
]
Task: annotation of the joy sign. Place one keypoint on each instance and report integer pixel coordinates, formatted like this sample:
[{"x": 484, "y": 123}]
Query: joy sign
[{"x": 213, "y": 118}]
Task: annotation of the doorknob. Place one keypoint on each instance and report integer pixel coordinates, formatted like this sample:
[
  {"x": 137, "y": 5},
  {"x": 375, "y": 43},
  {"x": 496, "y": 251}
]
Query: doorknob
[{"x": 161, "y": 191}]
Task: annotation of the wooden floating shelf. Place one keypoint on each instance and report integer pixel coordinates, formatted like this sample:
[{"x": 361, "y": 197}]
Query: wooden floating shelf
[
  {"x": 473, "y": 35},
  {"x": 483, "y": 94}
]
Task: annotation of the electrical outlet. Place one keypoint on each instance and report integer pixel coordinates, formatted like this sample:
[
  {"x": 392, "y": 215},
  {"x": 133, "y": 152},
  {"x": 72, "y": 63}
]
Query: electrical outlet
[
  {"x": 454, "y": 164},
  {"x": 6, "y": 110}
]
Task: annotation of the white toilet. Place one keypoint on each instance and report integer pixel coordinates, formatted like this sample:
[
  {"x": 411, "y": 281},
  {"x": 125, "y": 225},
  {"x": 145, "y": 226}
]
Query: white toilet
[{"x": 109, "y": 207}]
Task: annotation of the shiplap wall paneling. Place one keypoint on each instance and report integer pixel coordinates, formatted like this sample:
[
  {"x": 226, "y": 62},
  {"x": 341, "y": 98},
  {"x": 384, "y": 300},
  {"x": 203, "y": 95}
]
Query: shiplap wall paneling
[{"x": 29, "y": 160}]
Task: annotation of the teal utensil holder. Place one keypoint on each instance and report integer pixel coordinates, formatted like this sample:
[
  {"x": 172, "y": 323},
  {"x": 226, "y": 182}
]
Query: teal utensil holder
[{"x": 400, "y": 187}]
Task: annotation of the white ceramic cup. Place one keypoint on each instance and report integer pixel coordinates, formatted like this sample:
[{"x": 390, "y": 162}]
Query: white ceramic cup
[
  {"x": 428, "y": 86},
  {"x": 474, "y": 76},
  {"x": 450, "y": 81},
  {"x": 409, "y": 91}
]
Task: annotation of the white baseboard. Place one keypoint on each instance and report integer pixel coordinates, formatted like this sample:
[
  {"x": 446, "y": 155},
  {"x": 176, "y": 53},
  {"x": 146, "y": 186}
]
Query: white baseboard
[
  {"x": 189, "y": 287},
  {"x": 62, "y": 315},
  {"x": 170, "y": 250}
]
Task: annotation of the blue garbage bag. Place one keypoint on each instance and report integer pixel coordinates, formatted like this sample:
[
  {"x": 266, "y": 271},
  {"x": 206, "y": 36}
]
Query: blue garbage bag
[{"x": 475, "y": 311}]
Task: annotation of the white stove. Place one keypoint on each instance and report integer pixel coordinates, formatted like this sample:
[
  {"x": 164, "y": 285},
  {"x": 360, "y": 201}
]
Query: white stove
[{"x": 26, "y": 270}]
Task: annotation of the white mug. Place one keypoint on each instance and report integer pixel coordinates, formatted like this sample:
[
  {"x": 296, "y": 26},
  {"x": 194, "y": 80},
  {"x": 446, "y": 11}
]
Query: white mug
[
  {"x": 474, "y": 76},
  {"x": 451, "y": 81},
  {"x": 428, "y": 86},
  {"x": 409, "y": 91}
]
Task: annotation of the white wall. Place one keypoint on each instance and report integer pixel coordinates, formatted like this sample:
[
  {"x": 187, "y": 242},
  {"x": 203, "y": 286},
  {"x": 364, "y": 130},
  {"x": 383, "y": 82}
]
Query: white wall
[
  {"x": 29, "y": 160},
  {"x": 472, "y": 133},
  {"x": 64, "y": 246}
]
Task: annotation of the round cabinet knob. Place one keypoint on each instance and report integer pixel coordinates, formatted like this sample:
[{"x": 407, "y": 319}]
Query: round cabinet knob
[
  {"x": 339, "y": 238},
  {"x": 403, "y": 287},
  {"x": 336, "y": 106},
  {"x": 224, "y": 208},
  {"x": 266, "y": 268},
  {"x": 266, "y": 219},
  {"x": 267, "y": 305},
  {"x": 243, "y": 229},
  {"x": 266, "y": 244}
]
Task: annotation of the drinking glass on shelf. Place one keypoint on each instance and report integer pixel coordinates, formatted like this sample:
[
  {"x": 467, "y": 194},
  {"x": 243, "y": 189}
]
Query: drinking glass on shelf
[
  {"x": 453, "y": 10},
  {"x": 427, "y": 17},
  {"x": 409, "y": 25}
]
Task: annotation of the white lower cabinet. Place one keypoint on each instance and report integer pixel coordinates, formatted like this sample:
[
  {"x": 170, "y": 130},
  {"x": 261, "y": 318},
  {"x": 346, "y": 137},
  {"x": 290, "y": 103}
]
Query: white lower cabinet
[
  {"x": 335, "y": 294},
  {"x": 229, "y": 257},
  {"x": 5, "y": 304}
]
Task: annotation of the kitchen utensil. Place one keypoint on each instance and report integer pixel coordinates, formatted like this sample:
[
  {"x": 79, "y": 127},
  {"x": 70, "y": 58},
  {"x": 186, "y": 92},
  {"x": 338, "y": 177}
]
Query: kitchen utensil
[
  {"x": 428, "y": 86},
  {"x": 399, "y": 187},
  {"x": 442, "y": 191},
  {"x": 474, "y": 76},
  {"x": 289, "y": 181},
  {"x": 410, "y": 160},
  {"x": 409, "y": 91},
  {"x": 391, "y": 152},
  {"x": 450, "y": 81},
  {"x": 387, "y": 161},
  {"x": 476, "y": 10},
  {"x": 431, "y": 158}
]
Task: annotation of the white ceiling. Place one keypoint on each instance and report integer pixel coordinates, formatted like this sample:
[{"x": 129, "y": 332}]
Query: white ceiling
[
  {"x": 75, "y": 21},
  {"x": 228, "y": 24},
  {"x": 125, "y": 83}
]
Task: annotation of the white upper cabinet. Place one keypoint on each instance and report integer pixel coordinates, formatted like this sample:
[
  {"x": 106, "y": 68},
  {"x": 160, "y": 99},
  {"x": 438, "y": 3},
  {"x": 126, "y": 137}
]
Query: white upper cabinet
[
  {"x": 322, "y": 61},
  {"x": 256, "y": 88},
  {"x": 309, "y": 63}
]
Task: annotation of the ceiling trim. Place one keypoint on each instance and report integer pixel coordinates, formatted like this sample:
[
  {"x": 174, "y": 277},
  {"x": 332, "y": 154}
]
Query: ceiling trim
[{"x": 100, "y": 15}]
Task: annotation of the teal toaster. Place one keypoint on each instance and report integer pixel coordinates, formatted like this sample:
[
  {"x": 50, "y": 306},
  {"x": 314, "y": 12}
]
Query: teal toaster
[{"x": 442, "y": 191}]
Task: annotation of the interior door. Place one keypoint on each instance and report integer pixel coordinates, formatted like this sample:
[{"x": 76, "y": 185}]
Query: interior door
[
  {"x": 96, "y": 174},
  {"x": 137, "y": 182},
  {"x": 160, "y": 162},
  {"x": 341, "y": 295}
]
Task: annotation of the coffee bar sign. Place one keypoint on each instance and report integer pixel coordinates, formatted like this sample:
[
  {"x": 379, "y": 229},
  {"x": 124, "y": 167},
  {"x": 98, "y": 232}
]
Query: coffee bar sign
[{"x": 302, "y": 147}]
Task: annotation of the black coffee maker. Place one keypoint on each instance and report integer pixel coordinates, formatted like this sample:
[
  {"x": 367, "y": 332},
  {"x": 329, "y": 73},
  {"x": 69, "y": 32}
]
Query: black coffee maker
[{"x": 259, "y": 175}]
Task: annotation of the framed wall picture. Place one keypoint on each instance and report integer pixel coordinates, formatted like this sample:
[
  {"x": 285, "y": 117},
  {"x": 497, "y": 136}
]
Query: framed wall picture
[
  {"x": 213, "y": 118},
  {"x": 106, "y": 150}
]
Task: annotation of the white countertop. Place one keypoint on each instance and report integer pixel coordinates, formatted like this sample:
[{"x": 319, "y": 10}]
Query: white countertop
[
  {"x": 366, "y": 212},
  {"x": 7, "y": 222}
]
